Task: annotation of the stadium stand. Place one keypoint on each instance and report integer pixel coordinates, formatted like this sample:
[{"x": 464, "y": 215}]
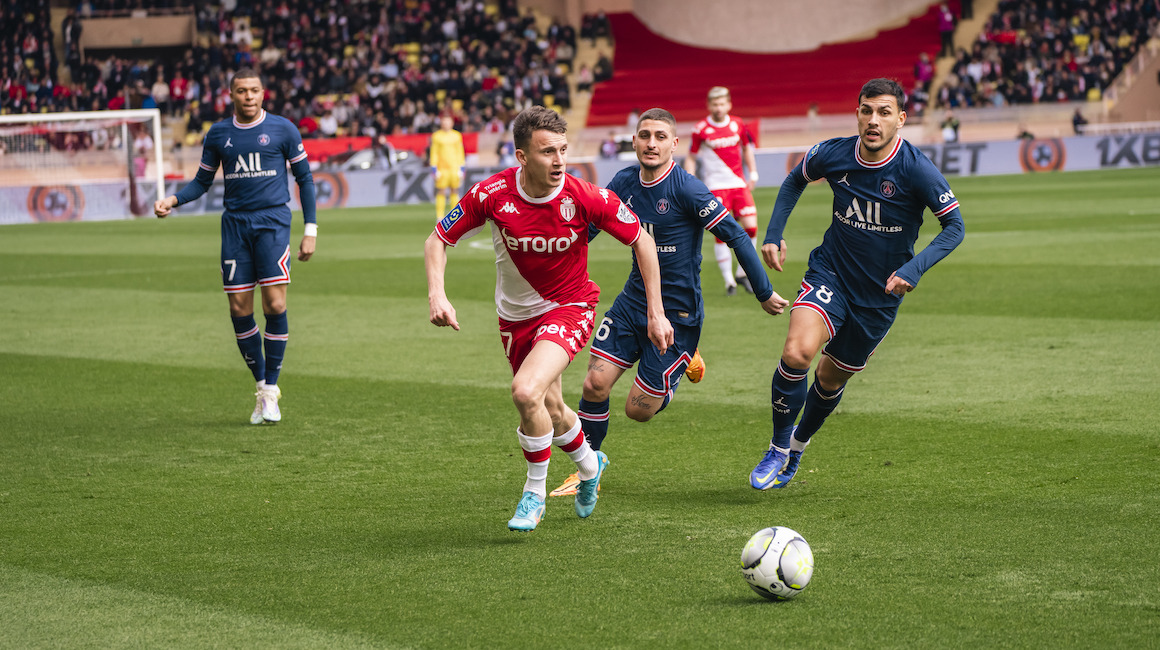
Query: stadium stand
[{"x": 1039, "y": 52}]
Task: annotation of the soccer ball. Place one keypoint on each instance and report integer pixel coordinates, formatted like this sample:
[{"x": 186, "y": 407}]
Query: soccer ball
[{"x": 777, "y": 563}]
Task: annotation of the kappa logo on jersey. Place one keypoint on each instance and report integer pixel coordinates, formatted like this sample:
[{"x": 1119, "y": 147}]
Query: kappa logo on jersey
[
  {"x": 662, "y": 205},
  {"x": 263, "y": 139},
  {"x": 624, "y": 215},
  {"x": 888, "y": 189},
  {"x": 509, "y": 208},
  {"x": 567, "y": 208},
  {"x": 538, "y": 244},
  {"x": 451, "y": 218},
  {"x": 604, "y": 193}
]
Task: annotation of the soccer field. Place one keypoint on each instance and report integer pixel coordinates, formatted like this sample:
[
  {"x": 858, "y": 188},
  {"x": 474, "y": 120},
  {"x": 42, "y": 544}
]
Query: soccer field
[{"x": 989, "y": 480}]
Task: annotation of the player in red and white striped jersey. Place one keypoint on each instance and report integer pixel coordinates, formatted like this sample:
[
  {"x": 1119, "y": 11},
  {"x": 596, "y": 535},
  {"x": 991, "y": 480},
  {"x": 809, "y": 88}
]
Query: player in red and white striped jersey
[
  {"x": 539, "y": 218},
  {"x": 730, "y": 147}
]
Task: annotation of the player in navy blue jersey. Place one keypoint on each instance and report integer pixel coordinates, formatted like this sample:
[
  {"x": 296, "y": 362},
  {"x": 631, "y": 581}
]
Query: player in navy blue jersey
[
  {"x": 859, "y": 274},
  {"x": 676, "y": 209},
  {"x": 254, "y": 148}
]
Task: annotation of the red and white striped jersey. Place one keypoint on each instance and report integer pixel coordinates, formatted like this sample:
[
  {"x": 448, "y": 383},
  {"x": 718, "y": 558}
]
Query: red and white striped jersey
[
  {"x": 541, "y": 244},
  {"x": 721, "y": 167}
]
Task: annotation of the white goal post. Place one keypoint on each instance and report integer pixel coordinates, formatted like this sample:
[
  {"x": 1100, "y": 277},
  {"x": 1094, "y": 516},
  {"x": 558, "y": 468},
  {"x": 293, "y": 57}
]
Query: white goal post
[{"x": 93, "y": 155}]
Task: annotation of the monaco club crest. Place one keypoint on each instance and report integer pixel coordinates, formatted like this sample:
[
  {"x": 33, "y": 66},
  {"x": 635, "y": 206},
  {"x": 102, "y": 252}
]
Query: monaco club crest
[{"x": 567, "y": 208}]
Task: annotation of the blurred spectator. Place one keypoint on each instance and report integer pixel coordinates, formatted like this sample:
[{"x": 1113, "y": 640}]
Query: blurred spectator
[
  {"x": 602, "y": 71},
  {"x": 584, "y": 79},
  {"x": 923, "y": 71},
  {"x": 594, "y": 26},
  {"x": 609, "y": 148},
  {"x": 1078, "y": 121},
  {"x": 946, "y": 30},
  {"x": 142, "y": 148},
  {"x": 160, "y": 92},
  {"x": 949, "y": 127}
]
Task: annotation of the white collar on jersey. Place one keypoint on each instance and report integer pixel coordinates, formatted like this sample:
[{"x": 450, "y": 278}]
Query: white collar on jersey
[
  {"x": 652, "y": 183},
  {"x": 261, "y": 118},
  {"x": 880, "y": 163},
  {"x": 723, "y": 123},
  {"x": 542, "y": 199}
]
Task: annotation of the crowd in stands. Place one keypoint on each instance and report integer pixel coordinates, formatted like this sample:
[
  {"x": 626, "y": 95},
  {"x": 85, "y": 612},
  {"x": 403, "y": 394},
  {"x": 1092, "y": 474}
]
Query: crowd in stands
[
  {"x": 333, "y": 68},
  {"x": 1039, "y": 51}
]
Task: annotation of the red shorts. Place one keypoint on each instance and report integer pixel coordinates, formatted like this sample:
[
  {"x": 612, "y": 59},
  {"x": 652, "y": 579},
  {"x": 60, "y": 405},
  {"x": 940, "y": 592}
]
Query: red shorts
[
  {"x": 739, "y": 202},
  {"x": 569, "y": 327}
]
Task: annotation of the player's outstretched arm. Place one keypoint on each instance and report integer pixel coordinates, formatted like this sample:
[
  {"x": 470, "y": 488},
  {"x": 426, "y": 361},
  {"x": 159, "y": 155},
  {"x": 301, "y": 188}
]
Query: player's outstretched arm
[
  {"x": 660, "y": 330},
  {"x": 442, "y": 313},
  {"x": 162, "y": 207}
]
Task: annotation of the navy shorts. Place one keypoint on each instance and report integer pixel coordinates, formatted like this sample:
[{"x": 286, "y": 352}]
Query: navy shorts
[
  {"x": 855, "y": 331},
  {"x": 622, "y": 340},
  {"x": 255, "y": 249}
]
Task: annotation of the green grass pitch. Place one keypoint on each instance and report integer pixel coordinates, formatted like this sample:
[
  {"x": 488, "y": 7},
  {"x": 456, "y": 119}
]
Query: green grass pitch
[{"x": 989, "y": 480}]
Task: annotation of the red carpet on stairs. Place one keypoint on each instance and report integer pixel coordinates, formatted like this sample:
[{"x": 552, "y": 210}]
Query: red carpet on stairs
[{"x": 650, "y": 70}]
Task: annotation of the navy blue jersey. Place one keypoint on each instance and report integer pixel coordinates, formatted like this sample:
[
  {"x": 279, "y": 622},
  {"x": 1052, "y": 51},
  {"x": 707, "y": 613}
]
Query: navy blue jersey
[
  {"x": 878, "y": 209},
  {"x": 676, "y": 209},
  {"x": 253, "y": 158}
]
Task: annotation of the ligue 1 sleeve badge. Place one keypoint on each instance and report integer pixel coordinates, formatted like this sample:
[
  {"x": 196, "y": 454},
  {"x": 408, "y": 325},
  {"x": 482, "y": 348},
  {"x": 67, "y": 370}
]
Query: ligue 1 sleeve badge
[{"x": 567, "y": 208}]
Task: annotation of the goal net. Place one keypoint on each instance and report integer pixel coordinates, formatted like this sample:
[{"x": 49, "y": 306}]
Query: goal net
[{"x": 90, "y": 165}]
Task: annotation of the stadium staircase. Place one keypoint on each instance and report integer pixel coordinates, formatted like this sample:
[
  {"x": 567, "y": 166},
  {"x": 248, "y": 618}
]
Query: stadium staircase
[{"x": 966, "y": 33}]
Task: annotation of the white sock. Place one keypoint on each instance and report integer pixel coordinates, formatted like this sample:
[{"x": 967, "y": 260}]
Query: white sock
[
  {"x": 724, "y": 262},
  {"x": 261, "y": 384},
  {"x": 586, "y": 463},
  {"x": 797, "y": 445},
  {"x": 537, "y": 470}
]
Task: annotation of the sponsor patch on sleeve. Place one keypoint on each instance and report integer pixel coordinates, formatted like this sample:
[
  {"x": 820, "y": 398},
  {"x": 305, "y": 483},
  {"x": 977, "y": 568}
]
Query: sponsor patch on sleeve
[
  {"x": 451, "y": 218},
  {"x": 625, "y": 215}
]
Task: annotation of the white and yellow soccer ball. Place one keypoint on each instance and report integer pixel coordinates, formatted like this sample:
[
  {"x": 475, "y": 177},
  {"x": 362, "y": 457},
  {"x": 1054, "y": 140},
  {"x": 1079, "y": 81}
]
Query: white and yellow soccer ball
[{"x": 777, "y": 563}]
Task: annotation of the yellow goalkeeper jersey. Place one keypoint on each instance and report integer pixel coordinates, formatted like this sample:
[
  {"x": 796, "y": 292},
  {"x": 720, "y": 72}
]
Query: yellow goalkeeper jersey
[{"x": 447, "y": 150}]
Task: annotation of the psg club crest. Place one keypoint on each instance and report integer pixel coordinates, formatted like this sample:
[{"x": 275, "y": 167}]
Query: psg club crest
[
  {"x": 263, "y": 139},
  {"x": 567, "y": 208},
  {"x": 887, "y": 189},
  {"x": 662, "y": 206}
]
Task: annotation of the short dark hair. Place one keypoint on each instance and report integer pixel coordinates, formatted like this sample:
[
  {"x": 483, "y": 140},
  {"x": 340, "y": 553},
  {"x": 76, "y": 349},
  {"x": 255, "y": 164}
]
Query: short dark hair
[
  {"x": 882, "y": 86},
  {"x": 246, "y": 73},
  {"x": 660, "y": 115},
  {"x": 536, "y": 118}
]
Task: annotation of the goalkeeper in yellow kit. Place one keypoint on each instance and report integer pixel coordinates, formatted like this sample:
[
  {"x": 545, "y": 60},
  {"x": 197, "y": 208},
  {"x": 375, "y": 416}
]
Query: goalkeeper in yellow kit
[{"x": 447, "y": 158}]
